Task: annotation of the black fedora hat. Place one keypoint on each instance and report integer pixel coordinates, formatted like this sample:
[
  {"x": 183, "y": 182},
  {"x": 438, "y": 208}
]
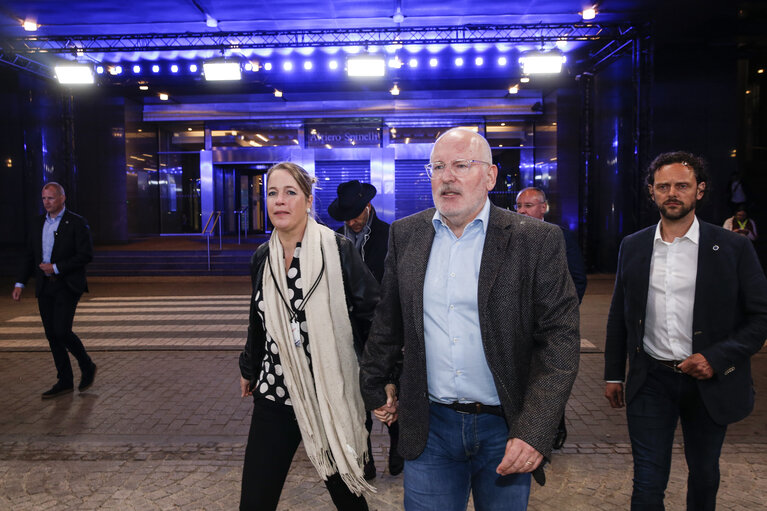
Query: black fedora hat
[{"x": 352, "y": 198}]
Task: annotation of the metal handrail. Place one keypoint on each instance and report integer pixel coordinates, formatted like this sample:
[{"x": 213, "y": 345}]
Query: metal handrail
[{"x": 208, "y": 233}]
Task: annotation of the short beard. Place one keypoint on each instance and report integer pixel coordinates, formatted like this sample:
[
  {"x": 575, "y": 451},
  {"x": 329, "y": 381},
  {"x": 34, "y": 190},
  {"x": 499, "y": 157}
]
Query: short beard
[{"x": 680, "y": 213}]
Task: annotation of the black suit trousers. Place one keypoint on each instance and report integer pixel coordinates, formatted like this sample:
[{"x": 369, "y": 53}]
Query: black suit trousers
[{"x": 57, "y": 304}]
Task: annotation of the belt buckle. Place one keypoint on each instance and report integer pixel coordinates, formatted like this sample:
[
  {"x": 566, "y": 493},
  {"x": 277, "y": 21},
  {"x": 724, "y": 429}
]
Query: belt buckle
[{"x": 676, "y": 369}]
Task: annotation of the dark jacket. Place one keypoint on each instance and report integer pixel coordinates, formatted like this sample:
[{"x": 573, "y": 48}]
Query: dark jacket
[
  {"x": 374, "y": 248},
  {"x": 528, "y": 317},
  {"x": 729, "y": 317},
  {"x": 72, "y": 250},
  {"x": 362, "y": 294},
  {"x": 575, "y": 262}
]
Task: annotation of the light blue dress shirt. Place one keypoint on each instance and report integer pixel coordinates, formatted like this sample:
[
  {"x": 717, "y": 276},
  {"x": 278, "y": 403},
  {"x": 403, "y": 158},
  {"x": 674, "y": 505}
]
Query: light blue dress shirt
[
  {"x": 456, "y": 366},
  {"x": 50, "y": 226}
]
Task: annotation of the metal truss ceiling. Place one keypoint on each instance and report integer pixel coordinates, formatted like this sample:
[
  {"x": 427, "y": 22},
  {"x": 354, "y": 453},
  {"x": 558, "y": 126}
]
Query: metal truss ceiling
[{"x": 465, "y": 34}]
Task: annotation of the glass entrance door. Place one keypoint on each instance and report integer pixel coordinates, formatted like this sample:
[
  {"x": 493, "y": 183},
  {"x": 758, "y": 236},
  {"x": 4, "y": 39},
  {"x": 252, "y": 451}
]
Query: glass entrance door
[{"x": 251, "y": 201}]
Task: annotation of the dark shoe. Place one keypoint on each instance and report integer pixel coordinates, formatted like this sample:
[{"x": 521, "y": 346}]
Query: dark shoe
[
  {"x": 87, "y": 379},
  {"x": 396, "y": 462},
  {"x": 370, "y": 470},
  {"x": 559, "y": 440},
  {"x": 57, "y": 390}
]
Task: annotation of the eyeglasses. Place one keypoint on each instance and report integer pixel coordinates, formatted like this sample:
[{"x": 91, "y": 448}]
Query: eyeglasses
[
  {"x": 458, "y": 167},
  {"x": 526, "y": 205}
]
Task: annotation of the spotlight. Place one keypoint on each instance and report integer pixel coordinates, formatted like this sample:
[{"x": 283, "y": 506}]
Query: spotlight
[
  {"x": 395, "y": 63},
  {"x": 459, "y": 62},
  {"x": 268, "y": 66},
  {"x": 193, "y": 68},
  {"x": 30, "y": 25},
  {"x": 502, "y": 61},
  {"x": 221, "y": 70},
  {"x": 433, "y": 62},
  {"x": 71, "y": 74},
  {"x": 479, "y": 61},
  {"x": 524, "y": 79},
  {"x": 155, "y": 68},
  {"x": 514, "y": 89},
  {"x": 210, "y": 21},
  {"x": 287, "y": 66},
  {"x": 143, "y": 87},
  {"x": 174, "y": 68},
  {"x": 136, "y": 69},
  {"x": 589, "y": 13},
  {"x": 308, "y": 65},
  {"x": 413, "y": 63},
  {"x": 248, "y": 66},
  {"x": 333, "y": 64},
  {"x": 542, "y": 62},
  {"x": 394, "y": 91},
  {"x": 277, "y": 93},
  {"x": 365, "y": 66},
  {"x": 100, "y": 70},
  {"x": 163, "y": 96},
  {"x": 116, "y": 70}
]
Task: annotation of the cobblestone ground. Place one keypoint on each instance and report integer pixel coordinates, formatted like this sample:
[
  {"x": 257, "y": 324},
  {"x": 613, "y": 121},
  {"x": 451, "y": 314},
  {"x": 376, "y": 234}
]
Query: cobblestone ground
[{"x": 164, "y": 428}]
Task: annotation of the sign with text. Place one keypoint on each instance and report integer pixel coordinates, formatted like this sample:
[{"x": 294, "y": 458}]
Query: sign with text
[{"x": 343, "y": 136}]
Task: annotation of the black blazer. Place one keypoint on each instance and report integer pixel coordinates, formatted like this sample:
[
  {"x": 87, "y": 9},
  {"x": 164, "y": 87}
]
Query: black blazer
[
  {"x": 729, "y": 317},
  {"x": 375, "y": 247},
  {"x": 72, "y": 250}
]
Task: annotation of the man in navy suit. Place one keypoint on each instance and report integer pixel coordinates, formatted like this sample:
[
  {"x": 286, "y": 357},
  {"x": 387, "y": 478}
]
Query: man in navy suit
[
  {"x": 689, "y": 310},
  {"x": 57, "y": 251}
]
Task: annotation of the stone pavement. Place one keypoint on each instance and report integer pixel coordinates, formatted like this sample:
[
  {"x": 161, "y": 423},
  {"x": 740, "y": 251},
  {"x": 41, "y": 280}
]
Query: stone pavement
[{"x": 164, "y": 428}]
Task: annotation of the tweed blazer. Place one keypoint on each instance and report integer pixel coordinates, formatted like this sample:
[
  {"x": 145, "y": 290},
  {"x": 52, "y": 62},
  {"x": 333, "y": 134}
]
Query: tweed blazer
[
  {"x": 729, "y": 317},
  {"x": 528, "y": 315},
  {"x": 72, "y": 250}
]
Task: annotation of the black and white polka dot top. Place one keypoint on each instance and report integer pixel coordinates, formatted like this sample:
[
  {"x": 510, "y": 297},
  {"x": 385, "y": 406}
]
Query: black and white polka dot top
[{"x": 271, "y": 382}]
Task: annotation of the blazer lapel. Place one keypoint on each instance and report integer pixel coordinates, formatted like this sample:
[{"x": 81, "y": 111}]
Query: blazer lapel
[
  {"x": 493, "y": 255},
  {"x": 708, "y": 253},
  {"x": 643, "y": 261},
  {"x": 419, "y": 250}
]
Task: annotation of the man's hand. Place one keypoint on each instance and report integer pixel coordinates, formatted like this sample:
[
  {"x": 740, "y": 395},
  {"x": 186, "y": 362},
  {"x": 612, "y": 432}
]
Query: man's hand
[
  {"x": 614, "y": 394},
  {"x": 697, "y": 366},
  {"x": 16, "y": 294},
  {"x": 520, "y": 458},
  {"x": 47, "y": 268},
  {"x": 245, "y": 387},
  {"x": 388, "y": 412}
]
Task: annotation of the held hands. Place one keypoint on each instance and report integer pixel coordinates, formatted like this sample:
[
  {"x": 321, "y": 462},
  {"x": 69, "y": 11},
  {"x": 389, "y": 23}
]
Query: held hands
[
  {"x": 614, "y": 394},
  {"x": 16, "y": 294},
  {"x": 388, "y": 412},
  {"x": 245, "y": 389},
  {"x": 47, "y": 268},
  {"x": 697, "y": 366},
  {"x": 520, "y": 458}
]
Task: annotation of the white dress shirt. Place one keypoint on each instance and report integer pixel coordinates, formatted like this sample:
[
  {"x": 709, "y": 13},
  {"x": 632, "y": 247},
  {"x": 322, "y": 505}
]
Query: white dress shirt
[{"x": 671, "y": 295}]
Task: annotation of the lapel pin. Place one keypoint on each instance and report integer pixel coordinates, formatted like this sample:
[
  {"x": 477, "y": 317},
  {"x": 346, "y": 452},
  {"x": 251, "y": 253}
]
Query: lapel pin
[{"x": 715, "y": 247}]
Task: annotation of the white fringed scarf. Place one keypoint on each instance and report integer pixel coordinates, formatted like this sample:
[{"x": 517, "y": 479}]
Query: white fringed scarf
[{"x": 328, "y": 406}]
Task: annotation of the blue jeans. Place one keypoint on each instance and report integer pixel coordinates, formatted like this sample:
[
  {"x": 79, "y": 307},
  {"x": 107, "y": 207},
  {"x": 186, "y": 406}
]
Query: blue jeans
[
  {"x": 666, "y": 398},
  {"x": 461, "y": 455}
]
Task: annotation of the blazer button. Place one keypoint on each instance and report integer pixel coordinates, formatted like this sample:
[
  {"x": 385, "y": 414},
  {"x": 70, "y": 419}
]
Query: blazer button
[{"x": 637, "y": 349}]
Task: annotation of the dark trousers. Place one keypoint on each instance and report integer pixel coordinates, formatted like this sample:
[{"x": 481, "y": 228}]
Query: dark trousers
[
  {"x": 57, "y": 304},
  {"x": 273, "y": 439},
  {"x": 393, "y": 434},
  {"x": 666, "y": 398}
]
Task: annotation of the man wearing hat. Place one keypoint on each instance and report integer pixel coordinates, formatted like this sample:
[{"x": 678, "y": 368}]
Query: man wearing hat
[{"x": 370, "y": 235}]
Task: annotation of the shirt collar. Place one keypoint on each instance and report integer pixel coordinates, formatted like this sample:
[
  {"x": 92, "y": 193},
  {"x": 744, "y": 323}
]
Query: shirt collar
[
  {"x": 692, "y": 234},
  {"x": 58, "y": 217},
  {"x": 482, "y": 218}
]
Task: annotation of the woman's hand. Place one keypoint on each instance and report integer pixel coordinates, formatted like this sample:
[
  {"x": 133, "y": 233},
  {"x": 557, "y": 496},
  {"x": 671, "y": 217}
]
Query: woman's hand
[
  {"x": 245, "y": 387},
  {"x": 388, "y": 412}
]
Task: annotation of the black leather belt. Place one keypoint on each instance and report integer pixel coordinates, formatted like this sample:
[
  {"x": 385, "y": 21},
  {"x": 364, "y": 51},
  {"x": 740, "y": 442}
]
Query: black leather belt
[
  {"x": 671, "y": 364},
  {"x": 473, "y": 408}
]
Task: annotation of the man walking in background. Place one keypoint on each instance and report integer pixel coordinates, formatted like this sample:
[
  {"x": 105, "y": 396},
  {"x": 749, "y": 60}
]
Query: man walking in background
[{"x": 58, "y": 249}]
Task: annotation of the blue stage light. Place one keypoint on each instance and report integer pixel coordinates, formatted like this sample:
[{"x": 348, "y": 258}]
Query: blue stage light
[
  {"x": 287, "y": 65},
  {"x": 136, "y": 69},
  {"x": 459, "y": 62},
  {"x": 155, "y": 68},
  {"x": 118, "y": 70},
  {"x": 174, "y": 68},
  {"x": 268, "y": 66},
  {"x": 100, "y": 70},
  {"x": 193, "y": 68},
  {"x": 502, "y": 61},
  {"x": 479, "y": 61},
  {"x": 413, "y": 63},
  {"x": 308, "y": 65},
  {"x": 333, "y": 64},
  {"x": 433, "y": 62}
]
